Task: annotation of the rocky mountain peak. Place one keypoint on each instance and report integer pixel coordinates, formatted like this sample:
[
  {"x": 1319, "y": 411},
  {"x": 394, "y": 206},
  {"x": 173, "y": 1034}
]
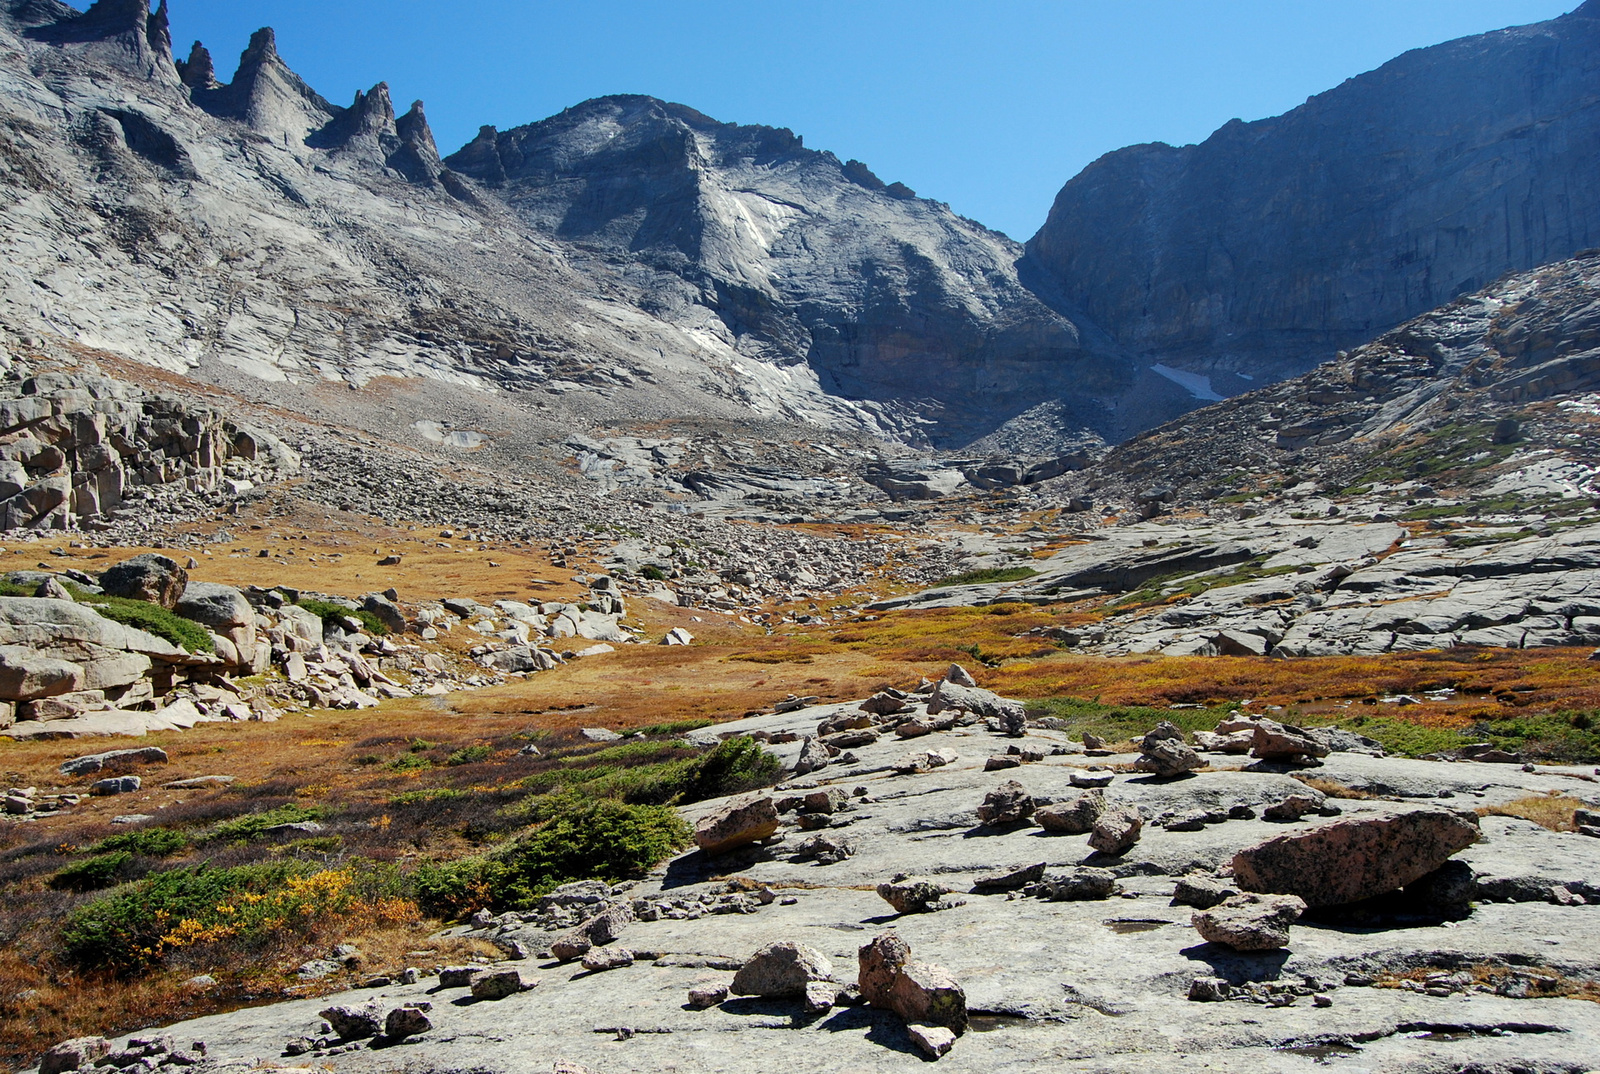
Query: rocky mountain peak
[
  {"x": 122, "y": 32},
  {"x": 198, "y": 71},
  {"x": 1272, "y": 244},
  {"x": 367, "y": 127},
  {"x": 417, "y": 158},
  {"x": 267, "y": 96}
]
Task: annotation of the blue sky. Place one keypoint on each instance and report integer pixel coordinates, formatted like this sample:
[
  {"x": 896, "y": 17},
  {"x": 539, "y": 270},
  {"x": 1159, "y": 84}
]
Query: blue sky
[{"x": 990, "y": 106}]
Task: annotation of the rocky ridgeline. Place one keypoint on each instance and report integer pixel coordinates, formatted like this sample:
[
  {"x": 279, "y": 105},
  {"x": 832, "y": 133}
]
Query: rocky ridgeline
[
  {"x": 84, "y": 451},
  {"x": 1227, "y": 912}
]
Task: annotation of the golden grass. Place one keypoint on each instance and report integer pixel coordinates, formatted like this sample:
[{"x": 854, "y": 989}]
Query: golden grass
[{"x": 1553, "y": 811}]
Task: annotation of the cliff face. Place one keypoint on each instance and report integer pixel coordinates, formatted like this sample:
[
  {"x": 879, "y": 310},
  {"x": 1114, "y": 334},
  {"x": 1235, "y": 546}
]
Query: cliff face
[
  {"x": 803, "y": 258},
  {"x": 1270, "y": 245}
]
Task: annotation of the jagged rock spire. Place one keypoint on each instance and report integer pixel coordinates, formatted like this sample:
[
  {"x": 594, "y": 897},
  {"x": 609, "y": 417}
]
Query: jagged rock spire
[
  {"x": 480, "y": 158},
  {"x": 418, "y": 156},
  {"x": 125, "y": 32},
  {"x": 158, "y": 31},
  {"x": 267, "y": 96},
  {"x": 366, "y": 127},
  {"x": 198, "y": 71}
]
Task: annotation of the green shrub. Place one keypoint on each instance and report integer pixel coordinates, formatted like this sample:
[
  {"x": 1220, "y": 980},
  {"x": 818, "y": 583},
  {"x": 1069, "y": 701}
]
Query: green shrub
[
  {"x": 427, "y": 794},
  {"x": 152, "y": 842},
  {"x": 586, "y": 838},
  {"x": 1404, "y": 737},
  {"x": 470, "y": 755},
  {"x": 652, "y": 572},
  {"x": 410, "y": 762},
  {"x": 733, "y": 766},
  {"x": 241, "y": 909},
  {"x": 152, "y": 619},
  {"x": 454, "y": 889},
  {"x": 1118, "y": 723},
  {"x": 252, "y": 826},
  {"x": 993, "y": 574},
  {"x": 674, "y": 727},
  {"x": 328, "y": 611},
  {"x": 92, "y": 874}
]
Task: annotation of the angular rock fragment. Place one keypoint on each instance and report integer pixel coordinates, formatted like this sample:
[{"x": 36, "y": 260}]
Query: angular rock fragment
[
  {"x": 1250, "y": 922},
  {"x": 76, "y": 1054},
  {"x": 1201, "y": 892},
  {"x": 782, "y": 969},
  {"x": 913, "y": 896},
  {"x": 1169, "y": 758},
  {"x": 1354, "y": 859},
  {"x": 600, "y": 959},
  {"x": 1074, "y": 817},
  {"x": 148, "y": 577},
  {"x": 1009, "y": 803},
  {"x": 737, "y": 823},
  {"x": 1011, "y": 881},
  {"x": 932, "y": 1041},
  {"x": 405, "y": 1022},
  {"x": 354, "y": 1021},
  {"x": 1117, "y": 830},
  {"x": 494, "y": 984},
  {"x": 919, "y": 992},
  {"x": 1082, "y": 884},
  {"x": 703, "y": 996},
  {"x": 1282, "y": 742}
]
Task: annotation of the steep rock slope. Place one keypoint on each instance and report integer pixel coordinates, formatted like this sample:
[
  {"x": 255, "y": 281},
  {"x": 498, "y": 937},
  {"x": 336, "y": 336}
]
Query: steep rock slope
[
  {"x": 1273, "y": 243},
  {"x": 627, "y": 261},
  {"x": 804, "y": 258}
]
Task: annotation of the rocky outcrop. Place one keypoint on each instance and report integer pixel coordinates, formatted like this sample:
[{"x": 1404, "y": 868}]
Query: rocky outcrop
[
  {"x": 1350, "y": 860},
  {"x": 75, "y": 447},
  {"x": 267, "y": 96},
  {"x": 1272, "y": 244}
]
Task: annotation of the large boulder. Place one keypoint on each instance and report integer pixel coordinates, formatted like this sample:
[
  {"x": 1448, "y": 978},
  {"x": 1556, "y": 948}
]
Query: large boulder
[
  {"x": 28, "y": 674},
  {"x": 919, "y": 992},
  {"x": 1283, "y": 742},
  {"x": 735, "y": 824},
  {"x": 948, "y": 695},
  {"x": 1354, "y": 859},
  {"x": 1009, "y": 803},
  {"x": 225, "y": 612},
  {"x": 1250, "y": 922},
  {"x": 1117, "y": 830},
  {"x": 150, "y": 577},
  {"x": 784, "y": 968},
  {"x": 1074, "y": 817},
  {"x": 69, "y": 631}
]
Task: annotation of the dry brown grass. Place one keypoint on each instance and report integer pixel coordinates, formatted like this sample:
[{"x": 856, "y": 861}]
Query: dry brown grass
[
  {"x": 1331, "y": 787},
  {"x": 1553, "y": 811}
]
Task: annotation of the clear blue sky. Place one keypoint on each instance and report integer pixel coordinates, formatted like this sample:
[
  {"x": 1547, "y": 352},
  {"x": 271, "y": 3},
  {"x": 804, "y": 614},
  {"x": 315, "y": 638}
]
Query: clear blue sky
[{"x": 990, "y": 105}]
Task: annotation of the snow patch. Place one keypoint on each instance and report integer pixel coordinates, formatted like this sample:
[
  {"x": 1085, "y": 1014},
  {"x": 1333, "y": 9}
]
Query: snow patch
[{"x": 1198, "y": 387}]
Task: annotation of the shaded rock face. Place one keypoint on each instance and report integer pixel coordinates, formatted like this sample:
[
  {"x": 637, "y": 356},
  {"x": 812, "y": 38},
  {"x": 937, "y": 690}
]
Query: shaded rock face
[
  {"x": 782, "y": 969},
  {"x": 1250, "y": 922},
  {"x": 1273, "y": 243},
  {"x": 1351, "y": 860},
  {"x": 888, "y": 298}
]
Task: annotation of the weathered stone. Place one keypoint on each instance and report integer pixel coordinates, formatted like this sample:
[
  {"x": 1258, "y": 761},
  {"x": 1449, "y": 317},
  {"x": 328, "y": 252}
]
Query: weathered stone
[
  {"x": 1281, "y": 742},
  {"x": 458, "y": 976},
  {"x": 115, "y": 785},
  {"x": 1169, "y": 758},
  {"x": 1010, "y": 881},
  {"x": 1074, "y": 817},
  {"x": 1349, "y": 860},
  {"x": 813, "y": 756},
  {"x": 736, "y": 823},
  {"x": 1250, "y": 922},
  {"x": 1292, "y": 808},
  {"x": 1201, "y": 892},
  {"x": 498, "y": 984},
  {"x": 1009, "y": 803},
  {"x": 932, "y": 1041},
  {"x": 1079, "y": 885},
  {"x": 95, "y": 762},
  {"x": 405, "y": 1022},
  {"x": 150, "y": 577},
  {"x": 1090, "y": 780},
  {"x": 781, "y": 969},
  {"x": 600, "y": 959},
  {"x": 27, "y": 674},
  {"x": 1117, "y": 830},
  {"x": 885, "y": 704},
  {"x": 913, "y": 896},
  {"x": 354, "y": 1021},
  {"x": 76, "y": 1054},
  {"x": 704, "y": 996},
  {"x": 918, "y": 992},
  {"x": 950, "y": 696},
  {"x": 1209, "y": 989}
]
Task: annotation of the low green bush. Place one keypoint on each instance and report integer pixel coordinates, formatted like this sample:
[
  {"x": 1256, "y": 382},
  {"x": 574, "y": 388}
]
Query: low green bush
[
  {"x": 152, "y": 842},
  {"x": 410, "y": 762},
  {"x": 152, "y": 619},
  {"x": 246, "y": 828},
  {"x": 732, "y": 766},
  {"x": 327, "y": 610},
  {"x": 984, "y": 577},
  {"x": 427, "y": 794},
  {"x": 470, "y": 755},
  {"x": 92, "y": 874}
]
